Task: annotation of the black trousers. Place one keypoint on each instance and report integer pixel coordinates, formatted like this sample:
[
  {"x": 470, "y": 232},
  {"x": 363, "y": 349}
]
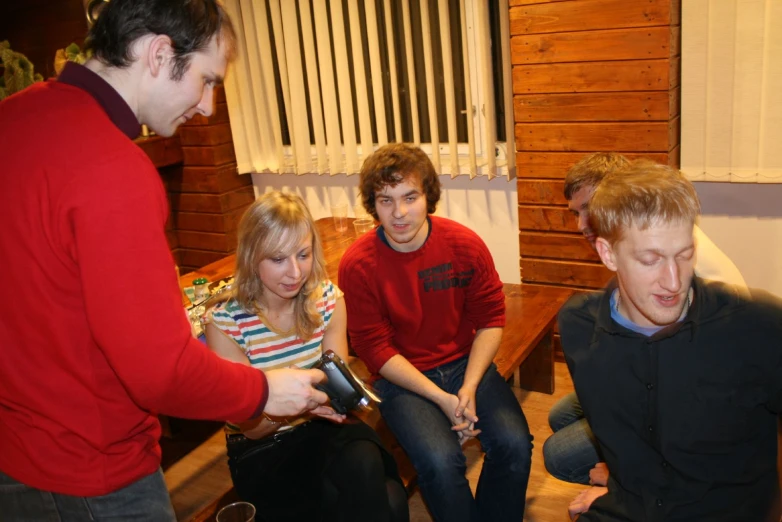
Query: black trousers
[{"x": 320, "y": 471}]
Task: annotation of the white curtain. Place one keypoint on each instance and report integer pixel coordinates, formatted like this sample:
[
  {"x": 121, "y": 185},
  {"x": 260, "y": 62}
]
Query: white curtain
[
  {"x": 313, "y": 61},
  {"x": 732, "y": 90}
]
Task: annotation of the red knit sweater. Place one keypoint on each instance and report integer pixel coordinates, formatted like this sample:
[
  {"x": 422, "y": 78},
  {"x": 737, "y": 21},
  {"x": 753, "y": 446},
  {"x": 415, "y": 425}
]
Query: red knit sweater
[
  {"x": 425, "y": 305},
  {"x": 94, "y": 337}
]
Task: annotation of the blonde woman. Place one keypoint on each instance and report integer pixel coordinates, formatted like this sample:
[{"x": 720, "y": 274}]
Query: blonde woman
[{"x": 285, "y": 312}]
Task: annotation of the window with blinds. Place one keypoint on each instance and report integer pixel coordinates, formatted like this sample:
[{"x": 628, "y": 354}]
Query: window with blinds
[
  {"x": 320, "y": 84},
  {"x": 731, "y": 85}
]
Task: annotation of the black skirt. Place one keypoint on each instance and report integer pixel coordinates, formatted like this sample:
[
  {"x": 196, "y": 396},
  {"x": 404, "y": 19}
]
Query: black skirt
[{"x": 283, "y": 475}]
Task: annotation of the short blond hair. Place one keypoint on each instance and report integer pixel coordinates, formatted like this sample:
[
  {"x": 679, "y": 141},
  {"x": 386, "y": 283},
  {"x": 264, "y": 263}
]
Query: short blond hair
[
  {"x": 642, "y": 194},
  {"x": 274, "y": 226},
  {"x": 591, "y": 170}
]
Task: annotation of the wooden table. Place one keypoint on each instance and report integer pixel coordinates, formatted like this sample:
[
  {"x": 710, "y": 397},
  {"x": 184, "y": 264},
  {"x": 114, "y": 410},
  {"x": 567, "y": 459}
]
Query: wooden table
[{"x": 526, "y": 351}]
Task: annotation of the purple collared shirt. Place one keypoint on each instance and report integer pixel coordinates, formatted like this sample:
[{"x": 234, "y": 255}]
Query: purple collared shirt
[{"x": 116, "y": 108}]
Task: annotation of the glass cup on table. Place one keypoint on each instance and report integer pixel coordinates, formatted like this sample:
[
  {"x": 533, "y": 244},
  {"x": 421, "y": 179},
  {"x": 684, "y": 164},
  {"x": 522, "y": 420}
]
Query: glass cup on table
[
  {"x": 363, "y": 225},
  {"x": 340, "y": 215},
  {"x": 237, "y": 512}
]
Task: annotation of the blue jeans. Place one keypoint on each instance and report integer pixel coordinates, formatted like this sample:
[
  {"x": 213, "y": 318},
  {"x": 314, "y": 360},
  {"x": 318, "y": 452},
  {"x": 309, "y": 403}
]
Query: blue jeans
[
  {"x": 572, "y": 450},
  {"x": 145, "y": 500},
  {"x": 424, "y": 431}
]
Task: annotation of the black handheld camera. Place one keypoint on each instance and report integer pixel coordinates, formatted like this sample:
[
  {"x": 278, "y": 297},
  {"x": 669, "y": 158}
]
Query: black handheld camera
[{"x": 344, "y": 388}]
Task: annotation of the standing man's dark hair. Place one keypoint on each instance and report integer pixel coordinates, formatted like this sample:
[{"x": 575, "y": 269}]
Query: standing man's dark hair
[
  {"x": 96, "y": 344},
  {"x": 190, "y": 25}
]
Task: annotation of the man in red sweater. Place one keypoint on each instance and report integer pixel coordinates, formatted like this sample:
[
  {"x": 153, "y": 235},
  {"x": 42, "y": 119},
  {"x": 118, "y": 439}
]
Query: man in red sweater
[
  {"x": 83, "y": 245},
  {"x": 426, "y": 312}
]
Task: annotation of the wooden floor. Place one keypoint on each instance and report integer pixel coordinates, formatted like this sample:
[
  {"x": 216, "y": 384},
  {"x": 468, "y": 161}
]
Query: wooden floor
[{"x": 547, "y": 497}]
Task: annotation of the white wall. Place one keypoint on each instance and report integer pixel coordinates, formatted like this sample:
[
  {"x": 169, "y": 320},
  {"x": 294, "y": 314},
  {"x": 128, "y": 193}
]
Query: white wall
[
  {"x": 745, "y": 221},
  {"x": 487, "y": 207}
]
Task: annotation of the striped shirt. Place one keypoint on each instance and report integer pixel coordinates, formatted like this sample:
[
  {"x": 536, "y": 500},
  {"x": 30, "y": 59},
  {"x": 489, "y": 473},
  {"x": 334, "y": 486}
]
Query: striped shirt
[{"x": 268, "y": 350}]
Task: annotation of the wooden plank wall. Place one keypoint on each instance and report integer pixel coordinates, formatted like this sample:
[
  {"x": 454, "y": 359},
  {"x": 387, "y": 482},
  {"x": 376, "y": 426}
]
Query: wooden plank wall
[{"x": 588, "y": 76}]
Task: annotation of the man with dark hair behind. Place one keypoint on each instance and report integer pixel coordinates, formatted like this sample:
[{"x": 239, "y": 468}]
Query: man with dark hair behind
[
  {"x": 95, "y": 340},
  {"x": 426, "y": 313},
  {"x": 571, "y": 453},
  {"x": 680, "y": 378}
]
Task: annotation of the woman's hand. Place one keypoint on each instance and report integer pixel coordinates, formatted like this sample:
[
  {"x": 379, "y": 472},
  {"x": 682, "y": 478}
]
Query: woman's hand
[{"x": 328, "y": 413}]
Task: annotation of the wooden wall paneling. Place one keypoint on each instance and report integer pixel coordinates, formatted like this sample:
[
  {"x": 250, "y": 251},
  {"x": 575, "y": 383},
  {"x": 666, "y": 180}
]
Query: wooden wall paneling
[
  {"x": 549, "y": 192},
  {"x": 621, "y": 106},
  {"x": 209, "y": 155},
  {"x": 199, "y": 258},
  {"x": 556, "y": 246},
  {"x": 634, "y": 75},
  {"x": 618, "y": 137},
  {"x": 215, "y": 203},
  {"x": 513, "y": 3},
  {"x": 162, "y": 151},
  {"x": 211, "y": 180},
  {"x": 586, "y": 46},
  {"x": 584, "y": 16},
  {"x": 546, "y": 219},
  {"x": 203, "y": 222},
  {"x": 569, "y": 273},
  {"x": 200, "y": 135},
  {"x": 222, "y": 243},
  {"x": 556, "y": 165}
]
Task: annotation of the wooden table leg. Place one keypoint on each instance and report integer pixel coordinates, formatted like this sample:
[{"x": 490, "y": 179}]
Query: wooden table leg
[{"x": 536, "y": 373}]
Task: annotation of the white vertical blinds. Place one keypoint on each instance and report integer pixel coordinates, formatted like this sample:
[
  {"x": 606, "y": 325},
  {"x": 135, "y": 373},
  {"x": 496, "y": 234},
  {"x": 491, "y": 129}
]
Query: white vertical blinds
[
  {"x": 731, "y": 85},
  {"x": 320, "y": 84}
]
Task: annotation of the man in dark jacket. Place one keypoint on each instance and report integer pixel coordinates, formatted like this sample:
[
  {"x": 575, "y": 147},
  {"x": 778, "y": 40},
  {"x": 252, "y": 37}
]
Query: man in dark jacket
[{"x": 680, "y": 379}]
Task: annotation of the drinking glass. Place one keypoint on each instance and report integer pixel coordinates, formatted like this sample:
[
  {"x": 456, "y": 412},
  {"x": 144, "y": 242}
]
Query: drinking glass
[
  {"x": 363, "y": 225},
  {"x": 340, "y": 214},
  {"x": 237, "y": 512}
]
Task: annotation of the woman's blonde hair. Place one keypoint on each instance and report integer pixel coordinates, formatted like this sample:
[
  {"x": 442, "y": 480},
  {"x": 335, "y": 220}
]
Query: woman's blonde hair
[
  {"x": 642, "y": 194},
  {"x": 274, "y": 226}
]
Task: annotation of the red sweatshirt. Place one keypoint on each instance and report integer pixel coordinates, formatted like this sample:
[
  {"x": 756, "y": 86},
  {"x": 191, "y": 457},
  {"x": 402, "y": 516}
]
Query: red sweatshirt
[
  {"x": 425, "y": 305},
  {"x": 93, "y": 338}
]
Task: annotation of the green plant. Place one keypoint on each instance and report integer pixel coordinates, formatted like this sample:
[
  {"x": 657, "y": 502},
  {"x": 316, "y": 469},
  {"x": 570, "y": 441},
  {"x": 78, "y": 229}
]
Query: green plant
[
  {"x": 17, "y": 71},
  {"x": 72, "y": 53}
]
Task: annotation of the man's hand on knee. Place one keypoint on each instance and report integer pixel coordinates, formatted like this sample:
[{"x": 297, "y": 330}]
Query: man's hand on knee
[
  {"x": 598, "y": 476},
  {"x": 584, "y": 500}
]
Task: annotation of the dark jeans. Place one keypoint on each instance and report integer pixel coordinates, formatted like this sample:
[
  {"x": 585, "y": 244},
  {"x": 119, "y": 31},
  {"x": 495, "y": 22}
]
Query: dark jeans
[
  {"x": 572, "y": 450},
  {"x": 424, "y": 432},
  {"x": 146, "y": 500},
  {"x": 320, "y": 471}
]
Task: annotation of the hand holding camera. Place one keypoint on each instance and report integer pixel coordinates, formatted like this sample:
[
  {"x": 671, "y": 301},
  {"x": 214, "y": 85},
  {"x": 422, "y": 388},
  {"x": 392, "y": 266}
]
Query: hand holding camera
[{"x": 346, "y": 391}]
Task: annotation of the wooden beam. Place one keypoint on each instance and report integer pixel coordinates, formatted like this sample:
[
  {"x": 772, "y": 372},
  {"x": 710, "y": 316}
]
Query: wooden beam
[
  {"x": 556, "y": 164},
  {"x": 572, "y": 273},
  {"x": 621, "y": 106},
  {"x": 556, "y": 246},
  {"x": 619, "y": 137},
  {"x": 544, "y": 192},
  {"x": 583, "y": 15},
  {"x": 546, "y": 219},
  {"x": 589, "y": 46},
  {"x": 632, "y": 75}
]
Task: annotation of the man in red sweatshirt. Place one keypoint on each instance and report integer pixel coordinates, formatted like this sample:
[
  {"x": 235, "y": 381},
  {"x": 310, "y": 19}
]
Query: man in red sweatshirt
[
  {"x": 95, "y": 341},
  {"x": 425, "y": 313}
]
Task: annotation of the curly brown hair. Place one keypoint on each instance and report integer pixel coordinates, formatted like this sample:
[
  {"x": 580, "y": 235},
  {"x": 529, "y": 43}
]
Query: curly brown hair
[{"x": 392, "y": 164}]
